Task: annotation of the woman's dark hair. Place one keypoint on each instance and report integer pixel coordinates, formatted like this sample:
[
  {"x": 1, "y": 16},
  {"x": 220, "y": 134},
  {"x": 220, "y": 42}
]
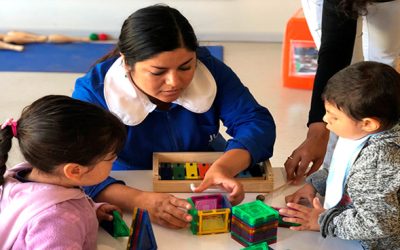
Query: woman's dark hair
[
  {"x": 57, "y": 129},
  {"x": 152, "y": 30},
  {"x": 366, "y": 89}
]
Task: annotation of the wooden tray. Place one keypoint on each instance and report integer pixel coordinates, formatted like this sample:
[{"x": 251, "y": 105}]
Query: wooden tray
[{"x": 251, "y": 185}]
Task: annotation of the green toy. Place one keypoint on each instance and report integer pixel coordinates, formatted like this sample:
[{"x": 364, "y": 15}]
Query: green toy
[{"x": 117, "y": 227}]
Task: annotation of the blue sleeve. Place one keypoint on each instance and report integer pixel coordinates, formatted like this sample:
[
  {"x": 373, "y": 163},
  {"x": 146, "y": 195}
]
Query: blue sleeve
[
  {"x": 90, "y": 87},
  {"x": 93, "y": 191},
  {"x": 250, "y": 124}
]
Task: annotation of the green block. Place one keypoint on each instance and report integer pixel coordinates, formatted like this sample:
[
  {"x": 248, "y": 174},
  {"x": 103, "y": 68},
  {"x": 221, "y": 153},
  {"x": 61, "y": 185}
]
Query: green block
[
  {"x": 178, "y": 170},
  {"x": 194, "y": 225},
  {"x": 259, "y": 246},
  {"x": 255, "y": 213},
  {"x": 116, "y": 227},
  {"x": 120, "y": 227}
]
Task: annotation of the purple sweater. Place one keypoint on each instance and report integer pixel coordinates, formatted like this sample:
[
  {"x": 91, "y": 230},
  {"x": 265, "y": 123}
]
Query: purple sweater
[{"x": 44, "y": 216}]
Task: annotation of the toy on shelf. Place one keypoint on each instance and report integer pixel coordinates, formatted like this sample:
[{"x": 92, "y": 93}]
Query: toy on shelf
[
  {"x": 211, "y": 214},
  {"x": 96, "y": 37},
  {"x": 116, "y": 227},
  {"x": 177, "y": 171},
  {"x": 20, "y": 37},
  {"x": 253, "y": 223},
  {"x": 141, "y": 236}
]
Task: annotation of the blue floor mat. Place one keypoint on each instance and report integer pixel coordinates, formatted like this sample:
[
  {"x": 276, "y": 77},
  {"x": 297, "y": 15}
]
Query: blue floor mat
[{"x": 68, "y": 57}]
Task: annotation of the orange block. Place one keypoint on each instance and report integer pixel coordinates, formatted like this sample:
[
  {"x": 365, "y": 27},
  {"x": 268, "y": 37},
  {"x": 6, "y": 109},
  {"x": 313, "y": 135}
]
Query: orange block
[{"x": 299, "y": 54}]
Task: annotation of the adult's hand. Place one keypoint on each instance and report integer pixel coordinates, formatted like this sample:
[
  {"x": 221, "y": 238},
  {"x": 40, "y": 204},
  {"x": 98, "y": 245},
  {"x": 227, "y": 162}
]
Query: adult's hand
[
  {"x": 167, "y": 210},
  {"x": 222, "y": 174},
  {"x": 229, "y": 184},
  {"x": 164, "y": 209},
  {"x": 311, "y": 151}
]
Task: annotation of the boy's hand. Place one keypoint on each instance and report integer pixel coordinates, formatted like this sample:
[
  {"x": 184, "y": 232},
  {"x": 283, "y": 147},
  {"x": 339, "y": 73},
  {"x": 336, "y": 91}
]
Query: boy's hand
[
  {"x": 104, "y": 212},
  {"x": 307, "y": 217}
]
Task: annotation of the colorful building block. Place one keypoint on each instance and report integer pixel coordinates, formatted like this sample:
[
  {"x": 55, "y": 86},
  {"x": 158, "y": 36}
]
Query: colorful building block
[
  {"x": 178, "y": 170},
  {"x": 165, "y": 171},
  {"x": 141, "y": 234},
  {"x": 203, "y": 168},
  {"x": 253, "y": 223},
  {"x": 116, "y": 227},
  {"x": 191, "y": 171},
  {"x": 259, "y": 246},
  {"x": 211, "y": 214}
]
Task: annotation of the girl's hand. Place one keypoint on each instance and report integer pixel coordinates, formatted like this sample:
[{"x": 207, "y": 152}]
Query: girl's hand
[
  {"x": 220, "y": 179},
  {"x": 167, "y": 210},
  {"x": 307, "y": 217},
  {"x": 104, "y": 212},
  {"x": 306, "y": 192}
]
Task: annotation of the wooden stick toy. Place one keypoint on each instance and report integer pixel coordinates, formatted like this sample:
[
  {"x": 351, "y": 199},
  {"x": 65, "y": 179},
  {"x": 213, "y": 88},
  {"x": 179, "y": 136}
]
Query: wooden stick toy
[
  {"x": 262, "y": 197},
  {"x": 9, "y": 46}
]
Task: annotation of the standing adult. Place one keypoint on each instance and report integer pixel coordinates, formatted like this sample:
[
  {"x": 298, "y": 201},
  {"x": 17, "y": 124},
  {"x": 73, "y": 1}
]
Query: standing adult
[{"x": 381, "y": 42}]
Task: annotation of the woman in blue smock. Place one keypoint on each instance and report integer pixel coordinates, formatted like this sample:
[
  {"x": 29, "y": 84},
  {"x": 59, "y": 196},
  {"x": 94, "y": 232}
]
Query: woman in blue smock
[{"x": 172, "y": 94}]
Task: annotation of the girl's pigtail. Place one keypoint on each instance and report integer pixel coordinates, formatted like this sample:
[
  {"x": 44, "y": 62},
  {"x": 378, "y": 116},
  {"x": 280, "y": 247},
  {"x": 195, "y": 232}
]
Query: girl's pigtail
[{"x": 6, "y": 135}]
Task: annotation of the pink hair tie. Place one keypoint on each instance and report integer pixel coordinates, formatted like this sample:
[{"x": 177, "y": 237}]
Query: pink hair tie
[{"x": 13, "y": 124}]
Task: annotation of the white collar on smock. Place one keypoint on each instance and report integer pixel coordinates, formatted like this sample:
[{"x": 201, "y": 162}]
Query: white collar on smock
[{"x": 132, "y": 106}]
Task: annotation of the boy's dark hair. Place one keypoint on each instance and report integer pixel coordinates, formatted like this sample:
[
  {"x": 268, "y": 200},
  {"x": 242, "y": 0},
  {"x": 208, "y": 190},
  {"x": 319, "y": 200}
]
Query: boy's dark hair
[
  {"x": 366, "y": 89},
  {"x": 57, "y": 129},
  {"x": 152, "y": 30}
]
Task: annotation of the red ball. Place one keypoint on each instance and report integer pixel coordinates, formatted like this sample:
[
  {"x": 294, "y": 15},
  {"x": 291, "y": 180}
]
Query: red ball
[{"x": 103, "y": 36}]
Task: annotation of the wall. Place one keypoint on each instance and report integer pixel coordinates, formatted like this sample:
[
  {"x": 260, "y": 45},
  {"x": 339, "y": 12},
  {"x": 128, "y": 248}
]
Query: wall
[{"x": 213, "y": 20}]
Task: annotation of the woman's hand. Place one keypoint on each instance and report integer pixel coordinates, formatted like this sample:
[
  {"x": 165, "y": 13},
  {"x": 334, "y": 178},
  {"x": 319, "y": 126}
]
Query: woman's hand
[
  {"x": 312, "y": 150},
  {"x": 305, "y": 216},
  {"x": 222, "y": 173},
  {"x": 306, "y": 192},
  {"x": 167, "y": 210},
  {"x": 104, "y": 212},
  {"x": 164, "y": 209},
  {"x": 214, "y": 177}
]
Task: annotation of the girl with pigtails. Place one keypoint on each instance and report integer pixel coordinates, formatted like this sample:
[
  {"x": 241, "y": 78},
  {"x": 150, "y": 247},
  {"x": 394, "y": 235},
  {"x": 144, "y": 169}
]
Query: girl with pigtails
[{"x": 66, "y": 143}]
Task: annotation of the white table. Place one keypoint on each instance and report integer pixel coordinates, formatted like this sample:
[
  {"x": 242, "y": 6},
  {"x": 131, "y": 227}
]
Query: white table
[{"x": 184, "y": 239}]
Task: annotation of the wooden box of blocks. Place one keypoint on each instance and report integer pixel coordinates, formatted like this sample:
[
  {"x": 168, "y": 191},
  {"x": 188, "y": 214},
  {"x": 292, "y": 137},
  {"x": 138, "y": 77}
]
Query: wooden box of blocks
[
  {"x": 176, "y": 171},
  {"x": 211, "y": 214}
]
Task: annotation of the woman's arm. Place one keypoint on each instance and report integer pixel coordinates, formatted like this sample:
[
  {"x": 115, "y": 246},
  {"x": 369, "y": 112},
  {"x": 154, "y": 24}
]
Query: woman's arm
[
  {"x": 337, "y": 43},
  {"x": 164, "y": 209}
]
